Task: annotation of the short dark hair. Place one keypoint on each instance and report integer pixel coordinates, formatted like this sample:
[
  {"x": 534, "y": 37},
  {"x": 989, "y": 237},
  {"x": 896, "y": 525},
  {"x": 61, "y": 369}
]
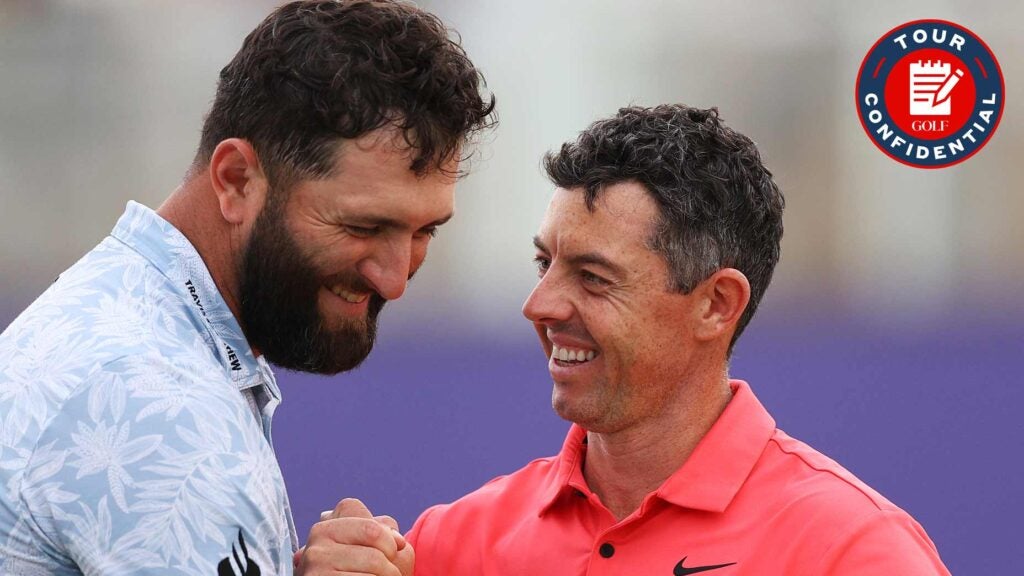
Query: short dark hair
[
  {"x": 719, "y": 207},
  {"x": 315, "y": 72}
]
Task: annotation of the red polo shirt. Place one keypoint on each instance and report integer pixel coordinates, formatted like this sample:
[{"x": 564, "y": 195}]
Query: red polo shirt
[{"x": 749, "y": 500}]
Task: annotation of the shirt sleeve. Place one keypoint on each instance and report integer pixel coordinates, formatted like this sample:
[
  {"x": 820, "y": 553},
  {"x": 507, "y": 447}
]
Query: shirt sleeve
[
  {"x": 422, "y": 536},
  {"x": 148, "y": 472},
  {"x": 885, "y": 542}
]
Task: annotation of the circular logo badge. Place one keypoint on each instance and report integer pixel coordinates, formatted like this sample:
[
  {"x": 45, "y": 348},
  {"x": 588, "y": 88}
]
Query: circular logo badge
[{"x": 930, "y": 93}]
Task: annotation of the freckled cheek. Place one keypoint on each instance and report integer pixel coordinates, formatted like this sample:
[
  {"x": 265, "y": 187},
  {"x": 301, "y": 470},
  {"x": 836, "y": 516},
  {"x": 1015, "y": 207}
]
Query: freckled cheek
[
  {"x": 599, "y": 322},
  {"x": 622, "y": 337}
]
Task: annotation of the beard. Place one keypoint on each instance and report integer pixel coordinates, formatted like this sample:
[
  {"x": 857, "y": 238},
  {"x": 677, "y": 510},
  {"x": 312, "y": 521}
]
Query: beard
[{"x": 280, "y": 314}]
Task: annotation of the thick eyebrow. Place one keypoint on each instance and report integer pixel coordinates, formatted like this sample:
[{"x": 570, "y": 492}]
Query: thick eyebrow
[
  {"x": 385, "y": 222},
  {"x": 441, "y": 221},
  {"x": 592, "y": 258}
]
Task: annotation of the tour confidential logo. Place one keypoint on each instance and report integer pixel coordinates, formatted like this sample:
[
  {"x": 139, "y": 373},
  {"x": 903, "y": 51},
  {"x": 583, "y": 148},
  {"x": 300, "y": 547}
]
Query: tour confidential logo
[{"x": 930, "y": 93}]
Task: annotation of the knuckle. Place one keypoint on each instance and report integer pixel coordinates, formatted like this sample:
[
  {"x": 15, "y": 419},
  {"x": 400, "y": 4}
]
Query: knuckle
[
  {"x": 316, "y": 533},
  {"x": 313, "y": 555},
  {"x": 372, "y": 531}
]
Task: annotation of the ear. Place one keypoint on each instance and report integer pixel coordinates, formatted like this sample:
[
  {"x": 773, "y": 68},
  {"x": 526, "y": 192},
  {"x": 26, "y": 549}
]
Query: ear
[
  {"x": 723, "y": 297},
  {"x": 238, "y": 180}
]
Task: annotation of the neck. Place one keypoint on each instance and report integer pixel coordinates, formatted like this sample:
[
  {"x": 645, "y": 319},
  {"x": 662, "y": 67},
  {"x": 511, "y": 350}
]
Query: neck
[
  {"x": 193, "y": 209},
  {"x": 623, "y": 467}
]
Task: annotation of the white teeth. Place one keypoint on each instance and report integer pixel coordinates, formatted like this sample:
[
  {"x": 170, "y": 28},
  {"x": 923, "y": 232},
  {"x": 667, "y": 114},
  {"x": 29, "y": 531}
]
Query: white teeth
[
  {"x": 348, "y": 296},
  {"x": 566, "y": 355}
]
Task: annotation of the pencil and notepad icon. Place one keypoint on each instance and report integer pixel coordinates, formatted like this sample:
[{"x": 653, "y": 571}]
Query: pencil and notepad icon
[{"x": 931, "y": 85}]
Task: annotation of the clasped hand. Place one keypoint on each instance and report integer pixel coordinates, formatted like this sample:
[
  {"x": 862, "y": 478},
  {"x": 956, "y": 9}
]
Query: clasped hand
[{"x": 351, "y": 541}]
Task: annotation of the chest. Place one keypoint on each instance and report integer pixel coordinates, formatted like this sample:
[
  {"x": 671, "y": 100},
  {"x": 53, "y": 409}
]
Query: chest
[{"x": 670, "y": 542}]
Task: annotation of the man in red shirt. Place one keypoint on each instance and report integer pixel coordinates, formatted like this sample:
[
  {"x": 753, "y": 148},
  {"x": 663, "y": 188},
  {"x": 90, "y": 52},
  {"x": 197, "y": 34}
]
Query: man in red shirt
[{"x": 658, "y": 244}]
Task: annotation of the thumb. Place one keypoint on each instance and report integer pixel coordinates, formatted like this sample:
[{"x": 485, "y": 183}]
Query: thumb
[{"x": 351, "y": 508}]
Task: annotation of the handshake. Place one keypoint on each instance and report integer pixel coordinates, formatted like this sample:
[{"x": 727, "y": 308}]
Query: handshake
[{"x": 350, "y": 539}]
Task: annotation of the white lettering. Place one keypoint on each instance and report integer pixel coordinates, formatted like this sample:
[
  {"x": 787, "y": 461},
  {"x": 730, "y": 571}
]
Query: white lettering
[
  {"x": 871, "y": 99},
  {"x": 954, "y": 145},
  {"x": 920, "y": 36},
  {"x": 885, "y": 131},
  {"x": 875, "y": 116},
  {"x": 991, "y": 100},
  {"x": 986, "y": 115},
  {"x": 940, "y": 154}
]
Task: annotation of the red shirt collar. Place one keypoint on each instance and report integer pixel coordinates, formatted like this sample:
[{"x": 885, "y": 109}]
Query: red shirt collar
[{"x": 710, "y": 477}]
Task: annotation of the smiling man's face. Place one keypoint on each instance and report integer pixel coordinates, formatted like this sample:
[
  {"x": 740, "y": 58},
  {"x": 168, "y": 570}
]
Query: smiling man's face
[
  {"x": 616, "y": 336},
  {"x": 325, "y": 256}
]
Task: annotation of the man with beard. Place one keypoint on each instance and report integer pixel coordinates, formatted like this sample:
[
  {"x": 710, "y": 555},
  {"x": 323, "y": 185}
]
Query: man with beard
[
  {"x": 655, "y": 251},
  {"x": 135, "y": 393}
]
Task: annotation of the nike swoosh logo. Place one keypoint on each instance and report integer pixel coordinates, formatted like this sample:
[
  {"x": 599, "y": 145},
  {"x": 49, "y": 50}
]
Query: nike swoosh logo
[{"x": 681, "y": 570}]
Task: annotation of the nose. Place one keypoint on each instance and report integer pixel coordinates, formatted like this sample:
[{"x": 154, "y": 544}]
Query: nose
[
  {"x": 548, "y": 303},
  {"x": 388, "y": 270}
]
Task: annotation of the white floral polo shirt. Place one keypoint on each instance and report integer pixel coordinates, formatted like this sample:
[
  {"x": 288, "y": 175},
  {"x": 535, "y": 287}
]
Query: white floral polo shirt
[{"x": 135, "y": 422}]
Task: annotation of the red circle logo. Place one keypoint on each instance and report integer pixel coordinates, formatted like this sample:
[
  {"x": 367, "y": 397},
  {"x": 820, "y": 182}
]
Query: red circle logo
[{"x": 930, "y": 93}]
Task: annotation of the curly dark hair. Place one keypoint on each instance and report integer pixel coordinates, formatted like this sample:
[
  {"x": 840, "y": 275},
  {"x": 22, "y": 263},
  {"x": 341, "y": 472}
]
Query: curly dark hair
[
  {"x": 318, "y": 71},
  {"x": 719, "y": 207}
]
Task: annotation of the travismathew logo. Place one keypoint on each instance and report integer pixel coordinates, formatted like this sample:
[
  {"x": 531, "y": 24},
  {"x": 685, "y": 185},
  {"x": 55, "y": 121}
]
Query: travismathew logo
[
  {"x": 242, "y": 565},
  {"x": 681, "y": 570},
  {"x": 195, "y": 296},
  {"x": 236, "y": 364}
]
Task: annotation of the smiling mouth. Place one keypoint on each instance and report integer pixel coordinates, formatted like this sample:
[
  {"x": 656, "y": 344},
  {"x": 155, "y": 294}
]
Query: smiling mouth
[
  {"x": 571, "y": 356},
  {"x": 352, "y": 297}
]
